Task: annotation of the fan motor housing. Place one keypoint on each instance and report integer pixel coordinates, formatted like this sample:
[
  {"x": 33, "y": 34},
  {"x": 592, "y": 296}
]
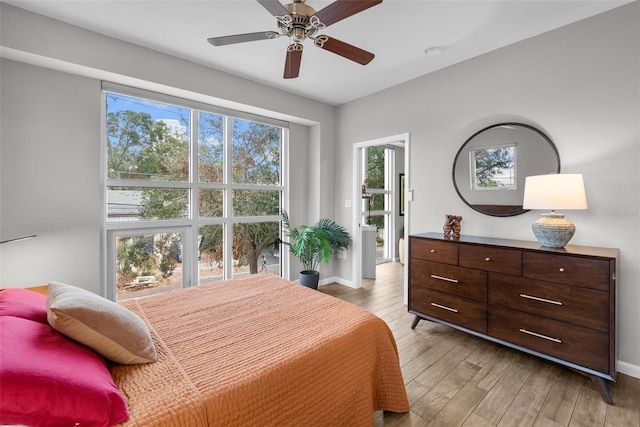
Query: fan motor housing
[
  {"x": 298, "y": 7},
  {"x": 300, "y": 16},
  {"x": 300, "y": 13}
]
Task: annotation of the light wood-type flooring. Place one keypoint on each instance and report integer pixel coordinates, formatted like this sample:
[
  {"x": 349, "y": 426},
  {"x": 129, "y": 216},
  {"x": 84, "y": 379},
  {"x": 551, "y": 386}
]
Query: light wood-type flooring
[{"x": 456, "y": 379}]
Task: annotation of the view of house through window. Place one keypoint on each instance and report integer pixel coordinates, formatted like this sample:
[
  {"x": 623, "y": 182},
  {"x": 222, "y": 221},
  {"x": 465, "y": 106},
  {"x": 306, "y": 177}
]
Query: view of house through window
[{"x": 192, "y": 195}]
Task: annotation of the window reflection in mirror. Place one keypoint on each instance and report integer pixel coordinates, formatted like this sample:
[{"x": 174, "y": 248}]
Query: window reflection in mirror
[
  {"x": 493, "y": 168},
  {"x": 490, "y": 168}
]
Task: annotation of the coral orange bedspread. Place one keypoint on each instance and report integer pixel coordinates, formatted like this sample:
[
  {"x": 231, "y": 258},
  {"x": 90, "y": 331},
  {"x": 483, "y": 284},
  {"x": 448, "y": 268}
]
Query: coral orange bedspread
[{"x": 261, "y": 351}]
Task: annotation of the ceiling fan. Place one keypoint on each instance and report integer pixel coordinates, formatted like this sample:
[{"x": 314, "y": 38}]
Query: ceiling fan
[{"x": 298, "y": 21}]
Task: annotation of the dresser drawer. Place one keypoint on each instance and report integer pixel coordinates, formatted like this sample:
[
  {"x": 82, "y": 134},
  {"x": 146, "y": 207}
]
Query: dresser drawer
[
  {"x": 571, "y": 270},
  {"x": 433, "y": 250},
  {"x": 508, "y": 261},
  {"x": 450, "y": 308},
  {"x": 576, "y": 344},
  {"x": 461, "y": 281},
  {"x": 580, "y": 306}
]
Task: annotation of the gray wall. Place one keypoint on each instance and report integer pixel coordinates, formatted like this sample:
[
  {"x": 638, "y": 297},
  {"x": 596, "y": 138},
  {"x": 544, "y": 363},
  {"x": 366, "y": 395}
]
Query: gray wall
[
  {"x": 578, "y": 84},
  {"x": 50, "y": 170}
]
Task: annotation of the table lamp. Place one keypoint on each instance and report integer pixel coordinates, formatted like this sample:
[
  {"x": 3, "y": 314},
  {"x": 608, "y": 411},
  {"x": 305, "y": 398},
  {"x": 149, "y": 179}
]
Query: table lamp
[{"x": 554, "y": 191}]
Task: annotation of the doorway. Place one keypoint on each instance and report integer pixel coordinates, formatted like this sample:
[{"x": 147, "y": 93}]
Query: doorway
[
  {"x": 379, "y": 193},
  {"x": 384, "y": 203}
]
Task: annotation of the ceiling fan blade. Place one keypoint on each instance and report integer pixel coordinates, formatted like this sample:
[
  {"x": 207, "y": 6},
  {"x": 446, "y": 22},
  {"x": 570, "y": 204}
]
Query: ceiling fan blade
[
  {"x": 341, "y": 9},
  {"x": 241, "y": 38},
  {"x": 292, "y": 63},
  {"x": 274, "y": 7},
  {"x": 344, "y": 49}
]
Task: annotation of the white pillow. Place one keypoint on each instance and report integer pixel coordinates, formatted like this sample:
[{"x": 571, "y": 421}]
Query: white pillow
[{"x": 108, "y": 328}]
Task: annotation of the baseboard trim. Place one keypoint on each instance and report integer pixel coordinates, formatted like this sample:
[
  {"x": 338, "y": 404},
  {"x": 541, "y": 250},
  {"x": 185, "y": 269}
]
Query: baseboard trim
[
  {"x": 629, "y": 369},
  {"x": 337, "y": 280}
]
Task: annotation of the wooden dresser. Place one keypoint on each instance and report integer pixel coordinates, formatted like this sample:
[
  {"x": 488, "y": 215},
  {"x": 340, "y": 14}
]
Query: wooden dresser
[{"x": 558, "y": 304}]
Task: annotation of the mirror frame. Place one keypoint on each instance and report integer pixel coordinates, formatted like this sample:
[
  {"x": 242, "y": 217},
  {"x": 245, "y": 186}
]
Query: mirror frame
[{"x": 544, "y": 137}]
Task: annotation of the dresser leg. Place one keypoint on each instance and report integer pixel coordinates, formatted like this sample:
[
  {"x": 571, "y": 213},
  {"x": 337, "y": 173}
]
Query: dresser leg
[
  {"x": 415, "y": 322},
  {"x": 604, "y": 388}
]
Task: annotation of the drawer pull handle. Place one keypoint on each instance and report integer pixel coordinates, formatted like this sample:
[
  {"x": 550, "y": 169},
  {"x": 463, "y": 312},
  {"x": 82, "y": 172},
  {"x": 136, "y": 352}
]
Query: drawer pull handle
[
  {"x": 550, "y": 301},
  {"x": 446, "y": 279},
  {"x": 444, "y": 307},
  {"x": 524, "y": 331},
  {"x": 561, "y": 270},
  {"x": 433, "y": 251},
  {"x": 487, "y": 259}
]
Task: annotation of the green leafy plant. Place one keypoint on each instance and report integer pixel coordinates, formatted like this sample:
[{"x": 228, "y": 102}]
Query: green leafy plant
[{"x": 316, "y": 243}]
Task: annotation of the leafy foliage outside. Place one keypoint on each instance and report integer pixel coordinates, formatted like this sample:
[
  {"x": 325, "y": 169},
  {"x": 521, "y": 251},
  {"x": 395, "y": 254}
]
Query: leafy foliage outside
[
  {"x": 139, "y": 148},
  {"x": 375, "y": 179},
  {"x": 137, "y": 256},
  {"x": 143, "y": 149},
  {"x": 490, "y": 163}
]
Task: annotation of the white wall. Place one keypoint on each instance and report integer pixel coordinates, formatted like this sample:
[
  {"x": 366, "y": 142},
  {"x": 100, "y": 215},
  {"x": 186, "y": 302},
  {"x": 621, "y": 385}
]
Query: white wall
[
  {"x": 50, "y": 177},
  {"x": 580, "y": 85},
  {"x": 50, "y": 180}
]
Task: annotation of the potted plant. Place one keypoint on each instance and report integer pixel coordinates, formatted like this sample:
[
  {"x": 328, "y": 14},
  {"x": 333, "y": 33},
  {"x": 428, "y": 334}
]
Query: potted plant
[{"x": 313, "y": 244}]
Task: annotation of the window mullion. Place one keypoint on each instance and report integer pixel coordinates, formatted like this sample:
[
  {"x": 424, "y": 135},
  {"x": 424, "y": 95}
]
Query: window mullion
[
  {"x": 227, "y": 211},
  {"x": 284, "y": 201},
  {"x": 194, "y": 230},
  {"x": 130, "y": 225},
  {"x": 146, "y": 183}
]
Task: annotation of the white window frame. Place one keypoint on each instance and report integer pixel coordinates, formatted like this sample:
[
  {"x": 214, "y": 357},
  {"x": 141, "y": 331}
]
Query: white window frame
[
  {"x": 473, "y": 174},
  {"x": 187, "y": 226}
]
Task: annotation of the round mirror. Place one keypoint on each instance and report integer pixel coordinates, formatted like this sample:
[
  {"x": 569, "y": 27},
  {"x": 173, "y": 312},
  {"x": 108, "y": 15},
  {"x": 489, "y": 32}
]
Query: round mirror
[{"x": 490, "y": 167}]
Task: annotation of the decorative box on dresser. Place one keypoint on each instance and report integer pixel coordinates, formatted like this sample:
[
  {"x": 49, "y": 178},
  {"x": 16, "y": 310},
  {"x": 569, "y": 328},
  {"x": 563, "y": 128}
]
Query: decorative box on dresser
[{"x": 558, "y": 304}]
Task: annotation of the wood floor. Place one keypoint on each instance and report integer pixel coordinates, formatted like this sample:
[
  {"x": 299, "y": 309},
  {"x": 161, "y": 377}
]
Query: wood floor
[{"x": 456, "y": 379}]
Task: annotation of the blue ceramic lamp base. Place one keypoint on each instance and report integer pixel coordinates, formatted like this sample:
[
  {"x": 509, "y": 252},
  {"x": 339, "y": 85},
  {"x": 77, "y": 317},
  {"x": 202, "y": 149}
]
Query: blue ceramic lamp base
[{"x": 553, "y": 230}]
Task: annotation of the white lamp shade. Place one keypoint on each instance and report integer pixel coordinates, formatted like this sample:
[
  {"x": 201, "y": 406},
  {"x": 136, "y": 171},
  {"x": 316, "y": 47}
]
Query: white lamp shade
[{"x": 554, "y": 191}]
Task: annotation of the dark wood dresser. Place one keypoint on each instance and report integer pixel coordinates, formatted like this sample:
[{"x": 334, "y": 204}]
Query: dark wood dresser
[{"x": 558, "y": 304}]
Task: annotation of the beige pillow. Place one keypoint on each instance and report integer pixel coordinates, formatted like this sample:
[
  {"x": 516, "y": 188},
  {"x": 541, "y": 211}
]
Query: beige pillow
[{"x": 108, "y": 328}]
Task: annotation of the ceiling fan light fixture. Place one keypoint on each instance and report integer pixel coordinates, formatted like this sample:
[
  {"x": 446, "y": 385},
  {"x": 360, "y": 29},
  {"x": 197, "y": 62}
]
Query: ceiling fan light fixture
[
  {"x": 316, "y": 23},
  {"x": 299, "y": 21},
  {"x": 298, "y": 35},
  {"x": 284, "y": 22}
]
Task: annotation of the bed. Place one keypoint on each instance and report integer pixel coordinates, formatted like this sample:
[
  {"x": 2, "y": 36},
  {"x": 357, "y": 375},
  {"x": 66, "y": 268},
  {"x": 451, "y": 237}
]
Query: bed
[{"x": 261, "y": 351}]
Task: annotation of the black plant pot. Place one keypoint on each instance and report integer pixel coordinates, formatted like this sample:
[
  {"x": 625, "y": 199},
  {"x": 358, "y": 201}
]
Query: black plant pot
[{"x": 309, "y": 278}]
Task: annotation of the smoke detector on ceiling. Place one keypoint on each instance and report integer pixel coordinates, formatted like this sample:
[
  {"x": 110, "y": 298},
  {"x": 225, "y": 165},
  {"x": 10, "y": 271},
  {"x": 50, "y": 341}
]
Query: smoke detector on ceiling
[{"x": 433, "y": 51}]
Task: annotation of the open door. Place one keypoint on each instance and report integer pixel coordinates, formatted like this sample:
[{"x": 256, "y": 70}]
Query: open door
[{"x": 379, "y": 205}]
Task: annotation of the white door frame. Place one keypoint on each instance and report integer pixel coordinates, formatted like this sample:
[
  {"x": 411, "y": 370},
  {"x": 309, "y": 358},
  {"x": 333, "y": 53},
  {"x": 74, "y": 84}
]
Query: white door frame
[{"x": 357, "y": 200}]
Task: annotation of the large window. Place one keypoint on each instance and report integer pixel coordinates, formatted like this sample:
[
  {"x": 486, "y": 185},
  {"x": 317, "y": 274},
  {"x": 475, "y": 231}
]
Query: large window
[{"x": 193, "y": 192}]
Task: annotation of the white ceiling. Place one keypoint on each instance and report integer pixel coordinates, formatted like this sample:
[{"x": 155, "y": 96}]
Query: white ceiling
[{"x": 397, "y": 31}]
